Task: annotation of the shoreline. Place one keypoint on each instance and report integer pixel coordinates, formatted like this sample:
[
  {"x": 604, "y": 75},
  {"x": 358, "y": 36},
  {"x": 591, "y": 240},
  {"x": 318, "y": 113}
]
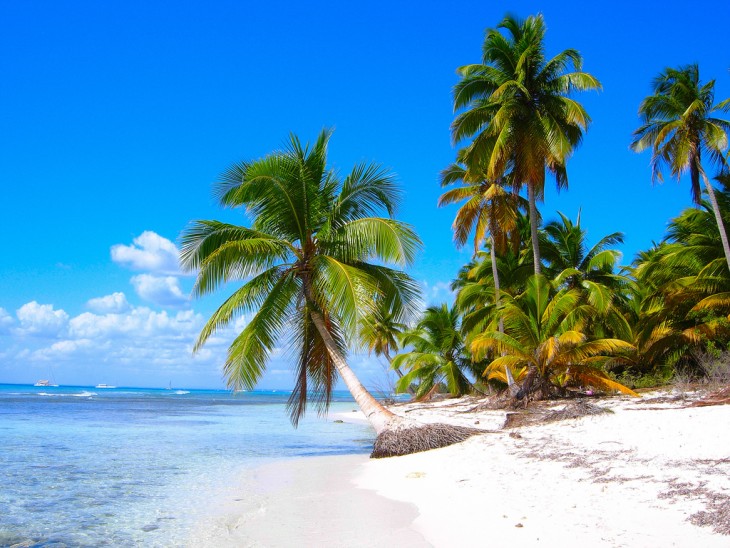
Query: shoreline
[
  {"x": 651, "y": 473},
  {"x": 307, "y": 502}
]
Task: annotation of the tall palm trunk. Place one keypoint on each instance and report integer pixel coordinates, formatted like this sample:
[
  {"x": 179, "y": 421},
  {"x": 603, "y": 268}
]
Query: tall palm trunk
[
  {"x": 495, "y": 273},
  {"x": 533, "y": 227},
  {"x": 378, "y": 416},
  {"x": 532, "y": 371},
  {"x": 718, "y": 218}
]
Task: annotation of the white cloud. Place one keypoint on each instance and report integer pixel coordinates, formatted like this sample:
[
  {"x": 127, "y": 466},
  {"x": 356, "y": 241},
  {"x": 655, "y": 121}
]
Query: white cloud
[
  {"x": 149, "y": 252},
  {"x": 116, "y": 302},
  {"x": 160, "y": 290},
  {"x": 140, "y": 339},
  {"x": 40, "y": 320},
  {"x": 6, "y": 320},
  {"x": 61, "y": 350},
  {"x": 139, "y": 323},
  {"x": 438, "y": 293}
]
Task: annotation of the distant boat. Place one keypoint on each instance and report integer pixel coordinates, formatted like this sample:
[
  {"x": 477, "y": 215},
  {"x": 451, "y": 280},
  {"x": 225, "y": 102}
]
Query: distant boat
[
  {"x": 104, "y": 386},
  {"x": 44, "y": 382}
]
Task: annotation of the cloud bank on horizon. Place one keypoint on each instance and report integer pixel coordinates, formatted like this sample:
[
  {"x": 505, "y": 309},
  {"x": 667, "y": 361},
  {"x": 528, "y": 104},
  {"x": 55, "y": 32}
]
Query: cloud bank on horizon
[
  {"x": 115, "y": 340},
  {"x": 145, "y": 342}
]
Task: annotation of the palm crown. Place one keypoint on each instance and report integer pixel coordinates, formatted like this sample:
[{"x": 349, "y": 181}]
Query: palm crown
[
  {"x": 313, "y": 260},
  {"x": 517, "y": 107},
  {"x": 544, "y": 332},
  {"x": 438, "y": 353},
  {"x": 680, "y": 126}
]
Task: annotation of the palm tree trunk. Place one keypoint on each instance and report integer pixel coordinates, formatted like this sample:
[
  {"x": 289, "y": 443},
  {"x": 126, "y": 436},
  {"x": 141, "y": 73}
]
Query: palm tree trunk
[
  {"x": 390, "y": 360},
  {"x": 378, "y": 416},
  {"x": 533, "y": 228},
  {"x": 718, "y": 218},
  {"x": 495, "y": 275}
]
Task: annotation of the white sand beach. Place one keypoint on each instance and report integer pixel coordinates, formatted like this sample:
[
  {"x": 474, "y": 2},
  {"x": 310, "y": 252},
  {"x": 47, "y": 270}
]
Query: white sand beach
[{"x": 652, "y": 473}]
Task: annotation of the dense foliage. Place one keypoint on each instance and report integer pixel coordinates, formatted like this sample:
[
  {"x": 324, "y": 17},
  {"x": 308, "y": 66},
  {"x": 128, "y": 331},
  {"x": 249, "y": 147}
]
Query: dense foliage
[{"x": 538, "y": 306}]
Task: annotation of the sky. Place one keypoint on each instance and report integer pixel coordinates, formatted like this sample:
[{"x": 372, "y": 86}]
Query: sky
[{"x": 117, "y": 117}]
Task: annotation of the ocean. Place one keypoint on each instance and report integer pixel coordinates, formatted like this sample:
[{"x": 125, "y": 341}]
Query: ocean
[{"x": 84, "y": 466}]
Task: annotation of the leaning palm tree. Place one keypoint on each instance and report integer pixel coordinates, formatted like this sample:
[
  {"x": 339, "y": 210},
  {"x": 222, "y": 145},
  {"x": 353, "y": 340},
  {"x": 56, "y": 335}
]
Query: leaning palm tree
[
  {"x": 681, "y": 128},
  {"x": 516, "y": 106},
  {"x": 313, "y": 259}
]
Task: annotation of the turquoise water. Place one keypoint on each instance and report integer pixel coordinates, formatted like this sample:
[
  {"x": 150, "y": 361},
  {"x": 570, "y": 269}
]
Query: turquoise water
[{"x": 86, "y": 466}]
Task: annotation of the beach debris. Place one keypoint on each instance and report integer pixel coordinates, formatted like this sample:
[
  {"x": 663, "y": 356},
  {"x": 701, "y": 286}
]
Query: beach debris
[
  {"x": 416, "y": 475},
  {"x": 410, "y": 437},
  {"x": 515, "y": 420},
  {"x": 575, "y": 410},
  {"x": 720, "y": 397}
]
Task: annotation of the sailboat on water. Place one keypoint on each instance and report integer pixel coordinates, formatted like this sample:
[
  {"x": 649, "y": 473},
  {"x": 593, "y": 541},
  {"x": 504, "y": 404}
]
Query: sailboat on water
[{"x": 46, "y": 383}]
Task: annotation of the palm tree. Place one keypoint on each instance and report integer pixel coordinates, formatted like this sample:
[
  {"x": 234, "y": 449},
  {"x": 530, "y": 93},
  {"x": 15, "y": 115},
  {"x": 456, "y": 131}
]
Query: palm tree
[
  {"x": 488, "y": 207},
  {"x": 680, "y": 127},
  {"x": 313, "y": 259},
  {"x": 475, "y": 288},
  {"x": 569, "y": 257},
  {"x": 544, "y": 342},
  {"x": 517, "y": 107},
  {"x": 438, "y": 355},
  {"x": 685, "y": 290},
  {"x": 591, "y": 270},
  {"x": 380, "y": 331}
]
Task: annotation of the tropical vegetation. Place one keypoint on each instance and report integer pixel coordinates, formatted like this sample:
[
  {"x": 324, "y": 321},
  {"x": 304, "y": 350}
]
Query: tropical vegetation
[
  {"x": 540, "y": 308},
  {"x": 438, "y": 354}
]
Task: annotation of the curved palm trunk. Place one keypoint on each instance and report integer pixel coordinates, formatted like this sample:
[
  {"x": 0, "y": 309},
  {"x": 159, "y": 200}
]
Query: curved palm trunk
[
  {"x": 533, "y": 228},
  {"x": 378, "y": 416},
  {"x": 395, "y": 435},
  {"x": 718, "y": 218}
]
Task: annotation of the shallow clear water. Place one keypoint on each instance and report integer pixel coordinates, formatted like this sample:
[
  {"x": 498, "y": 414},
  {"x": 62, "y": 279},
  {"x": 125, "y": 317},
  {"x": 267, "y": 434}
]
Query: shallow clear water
[{"x": 134, "y": 467}]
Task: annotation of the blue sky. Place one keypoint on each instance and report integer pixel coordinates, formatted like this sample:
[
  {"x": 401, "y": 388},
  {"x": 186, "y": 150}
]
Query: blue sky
[{"x": 116, "y": 117}]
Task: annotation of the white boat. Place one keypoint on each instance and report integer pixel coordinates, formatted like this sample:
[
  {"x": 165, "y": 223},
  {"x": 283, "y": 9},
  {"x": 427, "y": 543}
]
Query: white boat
[
  {"x": 44, "y": 382},
  {"x": 104, "y": 386}
]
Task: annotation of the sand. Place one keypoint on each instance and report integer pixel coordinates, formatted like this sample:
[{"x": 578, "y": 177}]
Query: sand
[
  {"x": 655, "y": 472},
  {"x": 308, "y": 502}
]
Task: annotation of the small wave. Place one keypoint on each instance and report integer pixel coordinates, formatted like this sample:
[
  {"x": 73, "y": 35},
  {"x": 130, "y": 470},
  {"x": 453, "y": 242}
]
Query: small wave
[
  {"x": 181, "y": 392},
  {"x": 79, "y": 395}
]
